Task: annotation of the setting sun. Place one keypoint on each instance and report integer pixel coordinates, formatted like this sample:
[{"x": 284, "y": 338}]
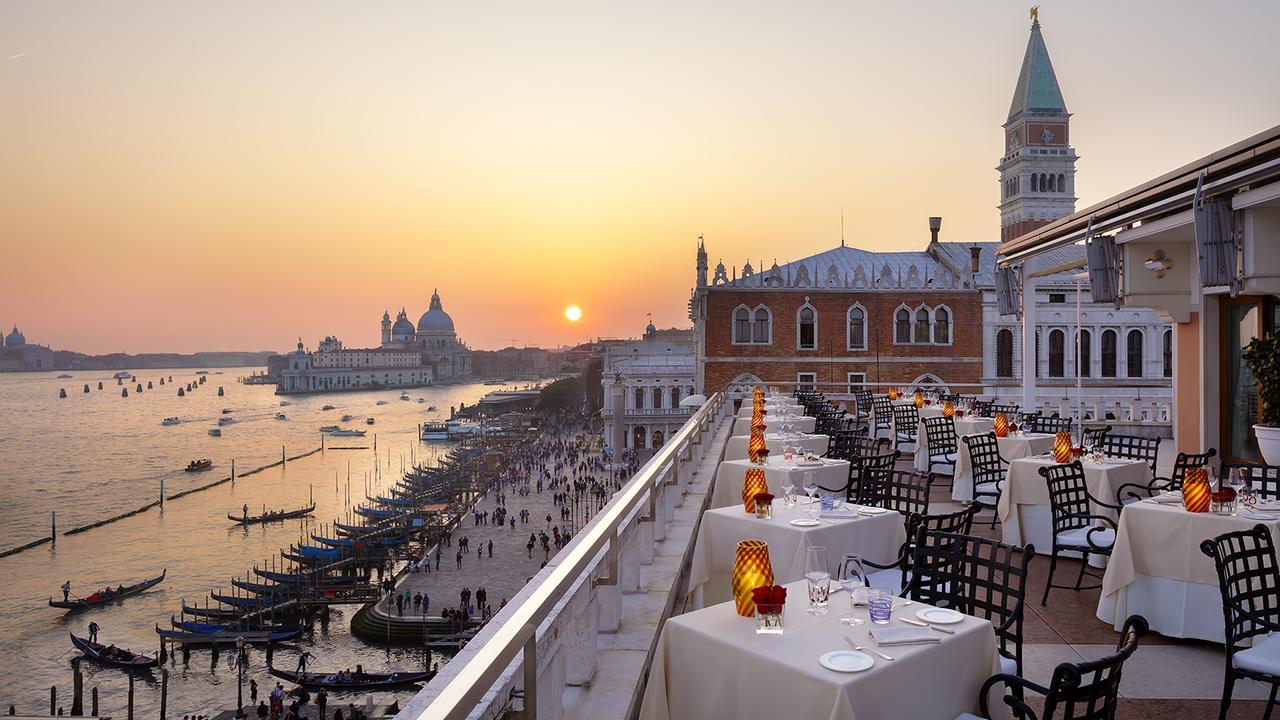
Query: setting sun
[{"x": 573, "y": 313}]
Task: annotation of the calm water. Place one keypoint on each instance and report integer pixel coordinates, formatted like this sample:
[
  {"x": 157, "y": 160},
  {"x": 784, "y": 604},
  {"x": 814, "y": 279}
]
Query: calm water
[{"x": 93, "y": 456}]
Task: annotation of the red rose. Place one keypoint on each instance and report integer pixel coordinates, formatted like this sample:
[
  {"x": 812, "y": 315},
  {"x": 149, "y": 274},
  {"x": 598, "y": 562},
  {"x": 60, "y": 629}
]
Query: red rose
[{"x": 763, "y": 498}]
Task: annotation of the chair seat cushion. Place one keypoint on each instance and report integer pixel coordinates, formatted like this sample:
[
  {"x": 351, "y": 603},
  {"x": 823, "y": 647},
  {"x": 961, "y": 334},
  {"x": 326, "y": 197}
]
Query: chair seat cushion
[
  {"x": 987, "y": 488},
  {"x": 1080, "y": 538},
  {"x": 1008, "y": 665},
  {"x": 907, "y": 436},
  {"x": 969, "y": 716},
  {"x": 948, "y": 457},
  {"x": 1263, "y": 657}
]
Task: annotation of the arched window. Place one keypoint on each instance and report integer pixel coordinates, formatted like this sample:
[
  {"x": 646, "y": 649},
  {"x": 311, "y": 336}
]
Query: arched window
[
  {"x": 657, "y": 398},
  {"x": 1057, "y": 353},
  {"x": 1084, "y": 362},
  {"x": 657, "y": 439},
  {"x": 1168, "y": 353},
  {"x": 1062, "y": 182},
  {"x": 675, "y": 397},
  {"x": 1108, "y": 353},
  {"x": 1004, "y": 353},
  {"x": 857, "y": 328},
  {"x": 942, "y": 326},
  {"x": 637, "y": 438},
  {"x": 1053, "y": 183},
  {"x": 762, "y": 328},
  {"x": 807, "y": 328},
  {"x": 742, "y": 325},
  {"x": 1133, "y": 358},
  {"x": 902, "y": 326},
  {"x": 639, "y": 396},
  {"x": 922, "y": 325}
]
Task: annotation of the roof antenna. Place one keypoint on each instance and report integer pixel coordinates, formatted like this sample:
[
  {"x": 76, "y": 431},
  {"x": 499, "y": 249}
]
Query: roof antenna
[{"x": 841, "y": 227}]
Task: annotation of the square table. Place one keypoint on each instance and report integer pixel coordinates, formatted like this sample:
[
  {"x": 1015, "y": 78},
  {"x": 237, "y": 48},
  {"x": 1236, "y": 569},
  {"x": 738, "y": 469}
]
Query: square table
[
  {"x": 736, "y": 448},
  {"x": 1011, "y": 447},
  {"x": 804, "y": 423},
  {"x": 731, "y": 473},
  {"x": 878, "y": 538},
  {"x": 967, "y": 425},
  {"x": 711, "y": 664},
  {"x": 769, "y": 408},
  {"x": 1024, "y": 503},
  {"x": 1157, "y": 569}
]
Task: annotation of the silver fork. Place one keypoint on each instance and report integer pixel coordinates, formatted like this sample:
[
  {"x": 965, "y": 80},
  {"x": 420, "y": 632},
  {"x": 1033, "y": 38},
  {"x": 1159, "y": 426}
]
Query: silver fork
[{"x": 859, "y": 648}]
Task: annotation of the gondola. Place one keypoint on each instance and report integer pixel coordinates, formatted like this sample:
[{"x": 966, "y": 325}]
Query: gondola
[
  {"x": 98, "y": 598},
  {"x": 227, "y": 637},
  {"x": 367, "y": 681},
  {"x": 264, "y": 588},
  {"x": 206, "y": 628},
  {"x": 208, "y": 612},
  {"x": 361, "y": 543},
  {"x": 123, "y": 658},
  {"x": 241, "y": 602},
  {"x": 272, "y": 516},
  {"x": 307, "y": 578}
]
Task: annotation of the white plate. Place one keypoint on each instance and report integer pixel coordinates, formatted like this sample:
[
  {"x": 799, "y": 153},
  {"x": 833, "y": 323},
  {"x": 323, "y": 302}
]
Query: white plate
[
  {"x": 940, "y": 616},
  {"x": 846, "y": 661},
  {"x": 805, "y": 522},
  {"x": 866, "y": 510}
]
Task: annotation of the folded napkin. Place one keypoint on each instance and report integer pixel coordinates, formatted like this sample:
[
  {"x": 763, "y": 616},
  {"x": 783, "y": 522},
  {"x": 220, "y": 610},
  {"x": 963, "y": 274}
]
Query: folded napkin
[
  {"x": 1168, "y": 499},
  {"x": 809, "y": 463},
  {"x": 887, "y": 636}
]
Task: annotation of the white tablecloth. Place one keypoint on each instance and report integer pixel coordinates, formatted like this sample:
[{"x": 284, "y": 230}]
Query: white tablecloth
[
  {"x": 736, "y": 448},
  {"x": 710, "y": 664},
  {"x": 804, "y": 423},
  {"x": 964, "y": 426},
  {"x": 1012, "y": 447},
  {"x": 730, "y": 474},
  {"x": 769, "y": 408},
  {"x": 877, "y": 538},
  {"x": 1024, "y": 504},
  {"x": 1158, "y": 571}
]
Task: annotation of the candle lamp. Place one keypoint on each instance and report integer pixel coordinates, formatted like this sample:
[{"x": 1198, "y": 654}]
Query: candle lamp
[
  {"x": 948, "y": 409},
  {"x": 751, "y": 569},
  {"x": 1062, "y": 447},
  {"x": 1195, "y": 490},
  {"x": 753, "y": 484},
  {"x": 1002, "y": 425}
]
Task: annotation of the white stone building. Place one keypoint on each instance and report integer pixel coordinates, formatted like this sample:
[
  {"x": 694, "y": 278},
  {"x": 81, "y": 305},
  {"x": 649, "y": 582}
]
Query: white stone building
[
  {"x": 17, "y": 354},
  {"x": 644, "y": 383},
  {"x": 434, "y": 338},
  {"x": 335, "y": 368}
]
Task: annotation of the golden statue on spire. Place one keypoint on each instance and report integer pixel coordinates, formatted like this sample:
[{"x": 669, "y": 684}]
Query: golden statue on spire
[{"x": 1035, "y": 13}]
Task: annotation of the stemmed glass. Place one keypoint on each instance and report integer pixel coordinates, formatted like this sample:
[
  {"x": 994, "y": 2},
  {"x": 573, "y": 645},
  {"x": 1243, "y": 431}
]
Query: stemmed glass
[
  {"x": 1235, "y": 480},
  {"x": 853, "y": 578},
  {"x": 788, "y": 491},
  {"x": 810, "y": 485},
  {"x": 815, "y": 571}
]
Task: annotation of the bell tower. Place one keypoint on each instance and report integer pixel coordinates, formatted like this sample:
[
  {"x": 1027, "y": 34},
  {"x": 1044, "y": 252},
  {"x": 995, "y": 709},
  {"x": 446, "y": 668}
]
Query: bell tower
[
  {"x": 702, "y": 263},
  {"x": 1038, "y": 169}
]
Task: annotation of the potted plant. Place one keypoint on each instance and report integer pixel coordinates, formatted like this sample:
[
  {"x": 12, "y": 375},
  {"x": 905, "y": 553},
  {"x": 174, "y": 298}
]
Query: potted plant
[{"x": 1262, "y": 357}]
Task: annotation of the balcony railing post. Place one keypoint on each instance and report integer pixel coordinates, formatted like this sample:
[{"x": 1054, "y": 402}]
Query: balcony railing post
[{"x": 530, "y": 663}]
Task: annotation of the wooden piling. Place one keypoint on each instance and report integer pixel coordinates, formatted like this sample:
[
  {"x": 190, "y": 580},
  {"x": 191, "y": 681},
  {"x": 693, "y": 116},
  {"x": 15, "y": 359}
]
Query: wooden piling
[
  {"x": 93, "y": 701},
  {"x": 53, "y": 526},
  {"x": 129, "y": 714},
  {"x": 53, "y": 699},
  {"x": 77, "y": 688},
  {"x": 161, "y": 493},
  {"x": 164, "y": 692}
]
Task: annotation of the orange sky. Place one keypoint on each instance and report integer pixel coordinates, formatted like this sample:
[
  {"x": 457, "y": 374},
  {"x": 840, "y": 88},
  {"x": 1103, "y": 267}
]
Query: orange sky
[{"x": 196, "y": 176}]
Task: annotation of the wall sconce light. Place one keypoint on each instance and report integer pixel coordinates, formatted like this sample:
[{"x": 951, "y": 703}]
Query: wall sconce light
[{"x": 1158, "y": 264}]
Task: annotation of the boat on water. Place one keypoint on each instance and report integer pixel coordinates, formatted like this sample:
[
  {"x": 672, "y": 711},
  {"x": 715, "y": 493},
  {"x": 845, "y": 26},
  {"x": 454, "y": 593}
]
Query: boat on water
[
  {"x": 365, "y": 681},
  {"x": 348, "y": 418},
  {"x": 435, "y": 431},
  {"x": 368, "y": 421},
  {"x": 107, "y": 595},
  {"x": 263, "y": 588},
  {"x": 199, "y": 627},
  {"x": 431, "y": 408},
  {"x": 122, "y": 375},
  {"x": 271, "y": 516},
  {"x": 281, "y": 416},
  {"x": 329, "y": 428},
  {"x": 346, "y": 432},
  {"x": 215, "y": 432},
  {"x": 421, "y": 400},
  {"x": 171, "y": 421},
  {"x": 285, "y": 403},
  {"x": 227, "y": 411},
  {"x": 225, "y": 421},
  {"x": 307, "y": 578},
  {"x": 199, "y": 465},
  {"x": 64, "y": 376},
  {"x": 495, "y": 382},
  {"x": 382, "y": 402},
  {"x": 208, "y": 612},
  {"x": 111, "y": 655},
  {"x": 459, "y": 429},
  {"x": 404, "y": 396},
  {"x": 327, "y": 407},
  {"x": 227, "y": 637}
]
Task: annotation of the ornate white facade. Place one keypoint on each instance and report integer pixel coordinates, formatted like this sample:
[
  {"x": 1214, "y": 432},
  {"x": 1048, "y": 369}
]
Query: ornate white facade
[
  {"x": 644, "y": 383},
  {"x": 434, "y": 338},
  {"x": 18, "y": 354}
]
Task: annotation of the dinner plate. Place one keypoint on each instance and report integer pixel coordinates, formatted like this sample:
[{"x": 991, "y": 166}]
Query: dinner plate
[
  {"x": 805, "y": 522},
  {"x": 940, "y": 616},
  {"x": 846, "y": 661},
  {"x": 867, "y": 510}
]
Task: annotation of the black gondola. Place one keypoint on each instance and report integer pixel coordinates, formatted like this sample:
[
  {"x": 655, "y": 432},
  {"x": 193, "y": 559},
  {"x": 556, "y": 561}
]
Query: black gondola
[
  {"x": 99, "y": 598},
  {"x": 270, "y": 517},
  {"x": 101, "y": 654},
  {"x": 367, "y": 681},
  {"x": 196, "y": 611}
]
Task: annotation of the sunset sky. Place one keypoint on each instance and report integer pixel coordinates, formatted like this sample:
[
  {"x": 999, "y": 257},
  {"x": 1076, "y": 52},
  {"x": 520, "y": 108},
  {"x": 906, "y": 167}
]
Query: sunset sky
[{"x": 182, "y": 176}]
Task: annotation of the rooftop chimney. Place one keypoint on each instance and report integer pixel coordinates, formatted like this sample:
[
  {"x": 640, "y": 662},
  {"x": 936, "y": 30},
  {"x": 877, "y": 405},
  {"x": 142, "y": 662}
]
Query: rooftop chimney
[
  {"x": 975, "y": 253},
  {"x": 935, "y": 224}
]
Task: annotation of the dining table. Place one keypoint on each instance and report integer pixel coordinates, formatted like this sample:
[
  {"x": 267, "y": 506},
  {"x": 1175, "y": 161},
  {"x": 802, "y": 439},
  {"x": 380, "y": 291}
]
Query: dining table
[
  {"x": 1023, "y": 508},
  {"x": 771, "y": 407},
  {"x": 736, "y": 447},
  {"x": 827, "y": 472},
  {"x": 1158, "y": 571},
  {"x": 789, "y": 533},
  {"x": 711, "y": 664},
  {"x": 799, "y": 423},
  {"x": 1012, "y": 447}
]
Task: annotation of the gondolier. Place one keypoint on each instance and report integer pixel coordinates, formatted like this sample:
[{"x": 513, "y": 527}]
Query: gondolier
[
  {"x": 302, "y": 661},
  {"x": 93, "y": 631},
  {"x": 66, "y": 591}
]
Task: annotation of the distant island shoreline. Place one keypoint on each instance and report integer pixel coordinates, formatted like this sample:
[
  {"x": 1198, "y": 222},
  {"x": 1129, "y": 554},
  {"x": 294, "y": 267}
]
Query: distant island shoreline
[{"x": 69, "y": 360}]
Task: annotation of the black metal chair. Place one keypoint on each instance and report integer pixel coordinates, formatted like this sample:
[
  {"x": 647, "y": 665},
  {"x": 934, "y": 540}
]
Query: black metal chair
[
  {"x": 905, "y": 420},
  {"x": 1078, "y": 691},
  {"x": 1263, "y": 480},
  {"x": 840, "y": 446},
  {"x": 982, "y": 408},
  {"x": 940, "y": 434},
  {"x": 988, "y": 467},
  {"x": 859, "y": 467},
  {"x": 1249, "y": 580},
  {"x": 1133, "y": 492},
  {"x": 1132, "y": 447},
  {"x": 896, "y": 575},
  {"x": 1075, "y": 527},
  {"x": 906, "y": 491},
  {"x": 869, "y": 445},
  {"x": 976, "y": 576},
  {"x": 1010, "y": 410},
  {"x": 862, "y": 404},
  {"x": 883, "y": 418},
  {"x": 1052, "y": 425},
  {"x": 1095, "y": 435}
]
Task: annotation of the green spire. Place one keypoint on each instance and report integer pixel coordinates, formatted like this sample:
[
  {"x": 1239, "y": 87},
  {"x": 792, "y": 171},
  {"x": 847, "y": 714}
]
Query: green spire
[{"x": 1037, "y": 89}]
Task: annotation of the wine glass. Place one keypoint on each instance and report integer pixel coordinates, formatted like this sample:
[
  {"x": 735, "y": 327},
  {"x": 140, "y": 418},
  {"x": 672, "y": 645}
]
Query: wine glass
[
  {"x": 810, "y": 485},
  {"x": 788, "y": 491},
  {"x": 819, "y": 578},
  {"x": 853, "y": 578}
]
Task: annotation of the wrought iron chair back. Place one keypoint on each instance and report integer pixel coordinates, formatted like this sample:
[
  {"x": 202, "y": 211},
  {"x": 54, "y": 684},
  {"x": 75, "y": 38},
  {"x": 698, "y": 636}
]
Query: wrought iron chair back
[
  {"x": 1052, "y": 425},
  {"x": 906, "y": 491},
  {"x": 1132, "y": 447},
  {"x": 1263, "y": 480},
  {"x": 1095, "y": 435},
  {"x": 905, "y": 420}
]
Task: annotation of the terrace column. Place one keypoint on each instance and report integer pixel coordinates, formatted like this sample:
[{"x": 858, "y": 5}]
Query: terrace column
[{"x": 1030, "y": 358}]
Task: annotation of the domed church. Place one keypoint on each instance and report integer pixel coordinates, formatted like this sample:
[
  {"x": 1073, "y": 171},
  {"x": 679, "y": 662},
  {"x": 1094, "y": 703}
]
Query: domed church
[{"x": 434, "y": 337}]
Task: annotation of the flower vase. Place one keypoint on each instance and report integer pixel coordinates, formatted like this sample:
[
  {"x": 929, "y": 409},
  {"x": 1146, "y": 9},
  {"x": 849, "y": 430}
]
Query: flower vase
[{"x": 769, "y": 619}]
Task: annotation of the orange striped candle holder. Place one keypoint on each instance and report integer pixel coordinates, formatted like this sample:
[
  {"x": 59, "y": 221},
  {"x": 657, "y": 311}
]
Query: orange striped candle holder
[
  {"x": 1195, "y": 490},
  {"x": 754, "y": 445},
  {"x": 1002, "y": 425},
  {"x": 948, "y": 409},
  {"x": 893, "y": 393},
  {"x": 1062, "y": 447},
  {"x": 919, "y": 399},
  {"x": 751, "y": 569},
  {"x": 753, "y": 484}
]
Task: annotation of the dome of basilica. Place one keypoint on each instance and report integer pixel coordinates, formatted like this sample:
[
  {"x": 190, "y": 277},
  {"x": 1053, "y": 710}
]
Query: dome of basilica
[{"x": 435, "y": 319}]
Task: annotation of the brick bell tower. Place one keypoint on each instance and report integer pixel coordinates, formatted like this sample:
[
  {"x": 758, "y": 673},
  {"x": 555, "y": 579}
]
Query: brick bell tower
[{"x": 1038, "y": 169}]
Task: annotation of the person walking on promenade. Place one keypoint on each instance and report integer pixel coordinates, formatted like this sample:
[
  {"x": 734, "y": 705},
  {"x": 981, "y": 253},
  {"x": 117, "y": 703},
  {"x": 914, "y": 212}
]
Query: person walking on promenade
[
  {"x": 322, "y": 700},
  {"x": 529, "y": 546},
  {"x": 459, "y": 558},
  {"x": 253, "y": 689},
  {"x": 465, "y": 596},
  {"x": 426, "y": 603},
  {"x": 400, "y": 604},
  {"x": 482, "y": 597},
  {"x": 491, "y": 548},
  {"x": 479, "y": 553}
]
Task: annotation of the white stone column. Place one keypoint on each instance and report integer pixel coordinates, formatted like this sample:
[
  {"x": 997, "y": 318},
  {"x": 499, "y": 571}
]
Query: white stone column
[{"x": 1028, "y": 337}]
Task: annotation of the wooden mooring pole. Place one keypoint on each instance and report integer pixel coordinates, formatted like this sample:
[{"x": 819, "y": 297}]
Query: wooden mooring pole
[
  {"x": 53, "y": 699},
  {"x": 77, "y": 688},
  {"x": 164, "y": 692},
  {"x": 93, "y": 701},
  {"x": 53, "y": 526},
  {"x": 129, "y": 714}
]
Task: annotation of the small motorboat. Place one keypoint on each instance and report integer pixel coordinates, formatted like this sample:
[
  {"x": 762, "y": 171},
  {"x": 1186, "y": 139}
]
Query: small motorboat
[
  {"x": 329, "y": 428},
  {"x": 64, "y": 376},
  {"x": 107, "y": 595},
  {"x": 215, "y": 432},
  {"x": 431, "y": 408},
  {"x": 224, "y": 421},
  {"x": 348, "y": 418},
  {"x": 404, "y": 396},
  {"x": 327, "y": 407},
  {"x": 122, "y": 375},
  {"x": 281, "y": 416},
  {"x": 112, "y": 655},
  {"x": 381, "y": 402},
  {"x": 285, "y": 403},
  {"x": 227, "y": 411},
  {"x": 421, "y": 400},
  {"x": 365, "y": 681},
  {"x": 199, "y": 465},
  {"x": 368, "y": 421},
  {"x": 345, "y": 432},
  {"x": 171, "y": 421}
]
